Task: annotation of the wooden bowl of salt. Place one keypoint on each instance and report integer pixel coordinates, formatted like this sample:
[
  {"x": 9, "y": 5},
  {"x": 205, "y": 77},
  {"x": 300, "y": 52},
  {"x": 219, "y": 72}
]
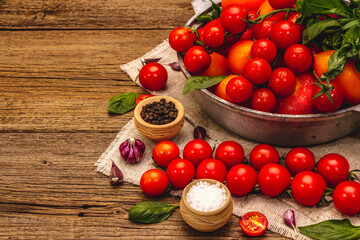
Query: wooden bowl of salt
[{"x": 206, "y": 205}]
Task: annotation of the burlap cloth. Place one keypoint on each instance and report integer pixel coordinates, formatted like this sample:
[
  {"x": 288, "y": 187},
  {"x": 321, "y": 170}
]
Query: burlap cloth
[{"x": 273, "y": 208}]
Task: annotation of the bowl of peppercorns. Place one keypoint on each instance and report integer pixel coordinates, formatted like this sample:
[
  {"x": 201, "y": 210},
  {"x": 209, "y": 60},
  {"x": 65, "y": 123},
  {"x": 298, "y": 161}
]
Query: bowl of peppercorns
[{"x": 159, "y": 118}]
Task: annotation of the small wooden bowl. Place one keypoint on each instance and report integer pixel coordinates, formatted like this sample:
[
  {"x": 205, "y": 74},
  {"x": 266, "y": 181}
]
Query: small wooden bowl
[
  {"x": 206, "y": 221},
  {"x": 163, "y": 132}
]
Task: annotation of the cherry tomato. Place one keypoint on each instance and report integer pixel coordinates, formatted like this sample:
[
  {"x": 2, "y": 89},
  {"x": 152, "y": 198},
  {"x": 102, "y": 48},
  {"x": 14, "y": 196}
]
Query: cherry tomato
[
  {"x": 142, "y": 97},
  {"x": 298, "y": 58},
  {"x": 254, "y": 223},
  {"x": 154, "y": 182},
  {"x": 257, "y": 70},
  {"x": 273, "y": 179},
  {"x": 282, "y": 82},
  {"x": 264, "y": 48},
  {"x": 300, "y": 159},
  {"x": 323, "y": 104},
  {"x": 197, "y": 59},
  {"x": 292, "y": 17},
  {"x": 239, "y": 89},
  {"x": 263, "y": 154},
  {"x": 346, "y": 197},
  {"x": 334, "y": 168},
  {"x": 284, "y": 34},
  {"x": 247, "y": 4},
  {"x": 232, "y": 19},
  {"x": 239, "y": 55},
  {"x": 265, "y": 8},
  {"x": 241, "y": 179},
  {"x": 218, "y": 66},
  {"x": 280, "y": 4},
  {"x": 214, "y": 35},
  {"x": 308, "y": 188},
  {"x": 197, "y": 150},
  {"x": 230, "y": 153},
  {"x": 181, "y": 39},
  {"x": 180, "y": 172},
  {"x": 220, "y": 89},
  {"x": 153, "y": 76},
  {"x": 164, "y": 152},
  {"x": 262, "y": 30},
  {"x": 252, "y": 15},
  {"x": 263, "y": 100},
  {"x": 247, "y": 35},
  {"x": 212, "y": 169}
]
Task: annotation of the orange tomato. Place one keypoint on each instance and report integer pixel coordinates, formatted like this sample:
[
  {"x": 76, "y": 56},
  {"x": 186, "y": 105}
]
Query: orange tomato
[
  {"x": 239, "y": 55},
  {"x": 220, "y": 89},
  {"x": 247, "y": 4},
  {"x": 218, "y": 66},
  {"x": 266, "y": 8},
  {"x": 349, "y": 79}
]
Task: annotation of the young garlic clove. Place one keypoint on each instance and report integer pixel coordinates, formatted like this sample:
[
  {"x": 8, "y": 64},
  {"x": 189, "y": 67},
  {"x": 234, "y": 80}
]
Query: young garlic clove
[
  {"x": 199, "y": 133},
  {"x": 132, "y": 150},
  {"x": 289, "y": 219},
  {"x": 116, "y": 176}
]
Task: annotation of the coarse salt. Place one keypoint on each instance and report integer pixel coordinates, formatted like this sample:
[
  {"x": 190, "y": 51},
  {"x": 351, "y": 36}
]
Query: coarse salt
[{"x": 206, "y": 197}]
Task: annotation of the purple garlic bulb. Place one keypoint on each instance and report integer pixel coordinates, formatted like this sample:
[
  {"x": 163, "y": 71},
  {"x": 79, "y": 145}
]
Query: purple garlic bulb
[{"x": 132, "y": 150}]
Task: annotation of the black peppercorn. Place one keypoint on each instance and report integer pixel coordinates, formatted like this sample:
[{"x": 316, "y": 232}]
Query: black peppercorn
[{"x": 159, "y": 113}]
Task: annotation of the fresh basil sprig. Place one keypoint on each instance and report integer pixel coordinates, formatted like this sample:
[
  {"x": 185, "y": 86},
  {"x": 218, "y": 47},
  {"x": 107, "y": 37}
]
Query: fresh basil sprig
[
  {"x": 332, "y": 230},
  {"x": 201, "y": 82},
  {"x": 122, "y": 103},
  {"x": 151, "y": 212},
  {"x": 209, "y": 17}
]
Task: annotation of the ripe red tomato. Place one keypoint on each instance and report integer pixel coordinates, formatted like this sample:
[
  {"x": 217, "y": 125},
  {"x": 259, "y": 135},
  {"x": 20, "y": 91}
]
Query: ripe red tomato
[
  {"x": 263, "y": 100},
  {"x": 212, "y": 169},
  {"x": 273, "y": 179},
  {"x": 142, "y": 97},
  {"x": 230, "y": 153},
  {"x": 262, "y": 30},
  {"x": 282, "y": 82},
  {"x": 323, "y": 104},
  {"x": 154, "y": 182},
  {"x": 180, "y": 172},
  {"x": 239, "y": 89},
  {"x": 241, "y": 179},
  {"x": 298, "y": 58},
  {"x": 308, "y": 188},
  {"x": 153, "y": 76},
  {"x": 254, "y": 223},
  {"x": 232, "y": 19},
  {"x": 280, "y": 4},
  {"x": 197, "y": 59},
  {"x": 284, "y": 34},
  {"x": 264, "y": 48},
  {"x": 252, "y": 15},
  {"x": 213, "y": 35},
  {"x": 247, "y": 4},
  {"x": 334, "y": 168},
  {"x": 164, "y": 152},
  {"x": 300, "y": 159},
  {"x": 263, "y": 154},
  {"x": 346, "y": 197},
  {"x": 257, "y": 70},
  {"x": 196, "y": 151},
  {"x": 181, "y": 39}
]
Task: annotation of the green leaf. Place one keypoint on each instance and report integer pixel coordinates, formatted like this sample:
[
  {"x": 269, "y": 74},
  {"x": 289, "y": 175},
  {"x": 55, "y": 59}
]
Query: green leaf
[
  {"x": 332, "y": 230},
  {"x": 309, "y": 8},
  {"x": 336, "y": 65},
  {"x": 151, "y": 212},
  {"x": 201, "y": 82},
  {"x": 122, "y": 103},
  {"x": 315, "y": 29},
  {"x": 350, "y": 24},
  {"x": 204, "y": 18},
  {"x": 216, "y": 10},
  {"x": 357, "y": 66}
]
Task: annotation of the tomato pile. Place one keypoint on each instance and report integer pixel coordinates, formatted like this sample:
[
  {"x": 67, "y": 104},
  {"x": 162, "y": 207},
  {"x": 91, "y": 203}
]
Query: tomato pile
[
  {"x": 271, "y": 70},
  {"x": 265, "y": 170}
]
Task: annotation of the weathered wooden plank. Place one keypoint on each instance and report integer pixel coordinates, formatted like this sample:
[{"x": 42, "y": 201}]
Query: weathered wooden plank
[{"x": 95, "y": 14}]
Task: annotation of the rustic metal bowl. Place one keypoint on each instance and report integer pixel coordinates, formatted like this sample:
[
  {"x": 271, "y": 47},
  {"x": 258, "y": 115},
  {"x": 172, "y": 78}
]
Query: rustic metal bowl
[{"x": 272, "y": 128}]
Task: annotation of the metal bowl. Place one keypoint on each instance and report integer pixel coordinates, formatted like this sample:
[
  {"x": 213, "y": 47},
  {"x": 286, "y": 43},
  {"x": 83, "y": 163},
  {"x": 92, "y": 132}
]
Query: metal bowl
[{"x": 272, "y": 128}]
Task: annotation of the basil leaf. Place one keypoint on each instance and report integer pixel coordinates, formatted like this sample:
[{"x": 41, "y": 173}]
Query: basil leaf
[
  {"x": 332, "y": 230},
  {"x": 216, "y": 10},
  {"x": 336, "y": 65},
  {"x": 204, "y": 18},
  {"x": 200, "y": 82},
  {"x": 122, "y": 103},
  {"x": 353, "y": 23},
  {"x": 151, "y": 212},
  {"x": 308, "y": 8},
  {"x": 315, "y": 29}
]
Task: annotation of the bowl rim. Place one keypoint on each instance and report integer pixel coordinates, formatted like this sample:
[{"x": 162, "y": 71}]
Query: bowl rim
[
  {"x": 212, "y": 182},
  {"x": 176, "y": 121},
  {"x": 276, "y": 116}
]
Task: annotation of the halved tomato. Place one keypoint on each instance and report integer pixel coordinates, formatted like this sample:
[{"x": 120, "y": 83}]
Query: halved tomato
[{"x": 254, "y": 223}]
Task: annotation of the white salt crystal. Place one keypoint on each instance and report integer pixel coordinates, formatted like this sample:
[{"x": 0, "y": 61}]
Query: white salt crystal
[{"x": 206, "y": 197}]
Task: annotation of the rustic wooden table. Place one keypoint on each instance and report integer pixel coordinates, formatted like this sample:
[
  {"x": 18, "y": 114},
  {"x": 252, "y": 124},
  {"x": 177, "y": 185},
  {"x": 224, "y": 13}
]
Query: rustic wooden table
[{"x": 59, "y": 65}]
